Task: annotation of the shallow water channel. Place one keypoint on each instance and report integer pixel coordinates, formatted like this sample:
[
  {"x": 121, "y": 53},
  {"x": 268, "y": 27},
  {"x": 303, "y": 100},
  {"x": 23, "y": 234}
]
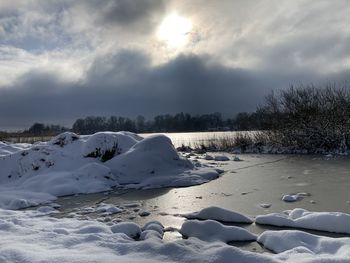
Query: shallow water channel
[{"x": 244, "y": 186}]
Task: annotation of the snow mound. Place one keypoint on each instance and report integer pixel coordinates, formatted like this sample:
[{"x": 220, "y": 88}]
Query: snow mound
[
  {"x": 300, "y": 218},
  {"x": 219, "y": 214},
  {"x": 154, "y": 162},
  {"x": 106, "y": 145},
  {"x": 210, "y": 230},
  {"x": 70, "y": 164},
  {"x": 299, "y": 246}
]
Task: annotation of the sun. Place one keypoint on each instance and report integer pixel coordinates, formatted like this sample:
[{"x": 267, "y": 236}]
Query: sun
[{"x": 175, "y": 30}]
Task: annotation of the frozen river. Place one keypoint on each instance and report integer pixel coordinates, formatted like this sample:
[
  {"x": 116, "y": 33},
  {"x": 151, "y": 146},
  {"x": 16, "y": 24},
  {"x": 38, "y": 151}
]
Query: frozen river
[{"x": 244, "y": 186}]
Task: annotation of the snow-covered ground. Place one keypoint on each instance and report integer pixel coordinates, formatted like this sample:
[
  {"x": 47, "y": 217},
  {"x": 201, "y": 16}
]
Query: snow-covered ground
[
  {"x": 32, "y": 236},
  {"x": 71, "y": 164}
]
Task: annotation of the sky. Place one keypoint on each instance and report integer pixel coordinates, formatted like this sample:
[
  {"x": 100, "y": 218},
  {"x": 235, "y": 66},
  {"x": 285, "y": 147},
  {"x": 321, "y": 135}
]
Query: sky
[{"x": 66, "y": 59}]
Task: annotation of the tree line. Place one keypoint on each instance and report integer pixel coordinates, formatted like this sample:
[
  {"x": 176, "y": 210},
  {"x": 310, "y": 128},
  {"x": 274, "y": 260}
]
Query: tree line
[{"x": 180, "y": 122}]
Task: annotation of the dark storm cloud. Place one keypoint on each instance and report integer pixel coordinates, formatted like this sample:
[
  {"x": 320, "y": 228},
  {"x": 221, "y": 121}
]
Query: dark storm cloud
[
  {"x": 126, "y": 84},
  {"x": 186, "y": 83}
]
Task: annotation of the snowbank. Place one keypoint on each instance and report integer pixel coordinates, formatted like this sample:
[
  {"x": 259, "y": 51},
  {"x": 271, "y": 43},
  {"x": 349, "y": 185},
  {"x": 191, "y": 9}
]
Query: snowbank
[
  {"x": 323, "y": 221},
  {"x": 210, "y": 230},
  {"x": 71, "y": 164},
  {"x": 219, "y": 214}
]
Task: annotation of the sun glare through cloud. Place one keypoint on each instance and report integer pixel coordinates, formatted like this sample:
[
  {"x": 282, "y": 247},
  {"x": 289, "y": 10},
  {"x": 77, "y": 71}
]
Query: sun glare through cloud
[{"x": 174, "y": 30}]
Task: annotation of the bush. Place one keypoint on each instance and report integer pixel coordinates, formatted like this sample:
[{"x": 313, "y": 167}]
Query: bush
[{"x": 309, "y": 118}]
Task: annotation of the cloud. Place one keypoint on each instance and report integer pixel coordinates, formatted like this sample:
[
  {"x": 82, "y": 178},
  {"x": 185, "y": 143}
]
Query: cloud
[
  {"x": 127, "y": 84},
  {"x": 64, "y": 59}
]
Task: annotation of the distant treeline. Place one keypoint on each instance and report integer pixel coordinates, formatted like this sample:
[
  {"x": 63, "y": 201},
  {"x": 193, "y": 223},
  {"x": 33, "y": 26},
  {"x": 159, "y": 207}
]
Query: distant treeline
[{"x": 181, "y": 122}]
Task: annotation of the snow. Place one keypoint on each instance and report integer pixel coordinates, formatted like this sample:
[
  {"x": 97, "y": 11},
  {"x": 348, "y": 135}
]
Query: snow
[
  {"x": 31, "y": 236},
  {"x": 210, "y": 230},
  {"x": 158, "y": 165},
  {"x": 219, "y": 214},
  {"x": 33, "y": 174},
  {"x": 128, "y": 228},
  {"x": 299, "y": 246},
  {"x": 300, "y": 218}
]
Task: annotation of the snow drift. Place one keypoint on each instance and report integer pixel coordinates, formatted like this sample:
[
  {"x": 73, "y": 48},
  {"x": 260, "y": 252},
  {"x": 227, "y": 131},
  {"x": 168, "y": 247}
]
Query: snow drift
[
  {"x": 336, "y": 222},
  {"x": 72, "y": 164}
]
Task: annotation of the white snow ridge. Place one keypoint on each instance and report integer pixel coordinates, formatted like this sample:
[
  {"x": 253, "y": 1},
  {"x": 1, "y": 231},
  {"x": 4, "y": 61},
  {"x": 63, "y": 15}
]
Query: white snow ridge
[
  {"x": 72, "y": 164},
  {"x": 300, "y": 218}
]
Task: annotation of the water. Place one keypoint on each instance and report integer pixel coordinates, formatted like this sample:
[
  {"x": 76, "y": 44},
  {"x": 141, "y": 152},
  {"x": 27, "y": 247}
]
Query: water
[{"x": 195, "y": 138}]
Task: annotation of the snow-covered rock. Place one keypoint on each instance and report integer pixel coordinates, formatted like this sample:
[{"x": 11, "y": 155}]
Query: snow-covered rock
[
  {"x": 210, "y": 230},
  {"x": 219, "y": 214},
  {"x": 300, "y": 218},
  {"x": 71, "y": 164}
]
